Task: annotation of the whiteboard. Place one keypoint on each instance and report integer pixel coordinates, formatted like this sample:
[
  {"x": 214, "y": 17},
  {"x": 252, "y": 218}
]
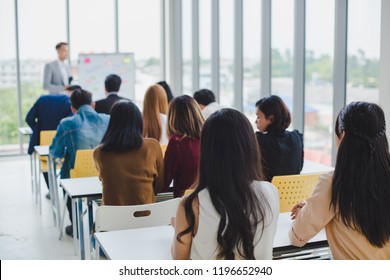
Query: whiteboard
[{"x": 94, "y": 68}]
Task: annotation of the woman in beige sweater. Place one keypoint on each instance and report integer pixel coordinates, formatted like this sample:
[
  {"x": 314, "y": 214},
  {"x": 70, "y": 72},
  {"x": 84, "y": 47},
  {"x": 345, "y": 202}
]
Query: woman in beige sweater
[
  {"x": 353, "y": 202},
  {"x": 130, "y": 167}
]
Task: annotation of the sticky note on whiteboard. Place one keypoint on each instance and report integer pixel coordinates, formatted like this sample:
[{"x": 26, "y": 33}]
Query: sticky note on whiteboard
[
  {"x": 87, "y": 60},
  {"x": 126, "y": 60}
]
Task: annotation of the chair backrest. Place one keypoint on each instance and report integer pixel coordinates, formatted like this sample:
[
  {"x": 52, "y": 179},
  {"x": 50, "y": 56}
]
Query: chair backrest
[
  {"x": 84, "y": 165},
  {"x": 189, "y": 191},
  {"x": 125, "y": 217},
  {"x": 46, "y": 137},
  {"x": 294, "y": 188}
]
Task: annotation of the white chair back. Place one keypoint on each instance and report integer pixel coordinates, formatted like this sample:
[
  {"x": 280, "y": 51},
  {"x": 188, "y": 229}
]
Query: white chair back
[{"x": 125, "y": 217}]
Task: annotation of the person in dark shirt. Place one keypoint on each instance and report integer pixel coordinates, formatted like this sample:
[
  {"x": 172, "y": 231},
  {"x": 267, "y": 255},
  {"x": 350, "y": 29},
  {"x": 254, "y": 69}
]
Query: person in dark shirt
[
  {"x": 281, "y": 150},
  {"x": 112, "y": 85}
]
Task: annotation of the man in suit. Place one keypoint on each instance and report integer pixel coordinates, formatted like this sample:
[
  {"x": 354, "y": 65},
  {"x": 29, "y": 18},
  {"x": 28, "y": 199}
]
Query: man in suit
[
  {"x": 57, "y": 77},
  {"x": 112, "y": 85}
]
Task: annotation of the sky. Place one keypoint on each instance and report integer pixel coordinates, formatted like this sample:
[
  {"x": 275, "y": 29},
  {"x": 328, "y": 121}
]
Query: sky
[{"x": 42, "y": 24}]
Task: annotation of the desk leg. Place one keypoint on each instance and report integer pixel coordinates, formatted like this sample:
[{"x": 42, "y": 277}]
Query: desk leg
[
  {"x": 32, "y": 172},
  {"x": 38, "y": 190},
  {"x": 35, "y": 171},
  {"x": 63, "y": 217},
  {"x": 74, "y": 223},
  {"x": 51, "y": 191},
  {"x": 54, "y": 189},
  {"x": 90, "y": 224},
  {"x": 81, "y": 227}
]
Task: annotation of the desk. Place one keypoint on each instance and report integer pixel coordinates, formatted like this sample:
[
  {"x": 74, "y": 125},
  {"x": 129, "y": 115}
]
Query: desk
[
  {"x": 27, "y": 131},
  {"x": 315, "y": 167},
  {"x": 154, "y": 243},
  {"x": 77, "y": 189}
]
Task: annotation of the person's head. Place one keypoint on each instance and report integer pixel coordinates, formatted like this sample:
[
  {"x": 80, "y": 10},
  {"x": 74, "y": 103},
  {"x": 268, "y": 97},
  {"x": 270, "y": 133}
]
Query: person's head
[
  {"x": 62, "y": 50},
  {"x": 79, "y": 98},
  {"x": 70, "y": 89},
  {"x": 184, "y": 117},
  {"x": 167, "y": 89},
  {"x": 361, "y": 181},
  {"x": 155, "y": 103},
  {"x": 229, "y": 163},
  {"x": 112, "y": 83},
  {"x": 124, "y": 131},
  {"x": 204, "y": 97},
  {"x": 272, "y": 114}
]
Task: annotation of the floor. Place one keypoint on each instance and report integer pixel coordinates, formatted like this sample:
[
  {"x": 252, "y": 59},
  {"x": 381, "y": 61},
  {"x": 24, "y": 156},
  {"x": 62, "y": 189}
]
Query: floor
[{"x": 24, "y": 233}]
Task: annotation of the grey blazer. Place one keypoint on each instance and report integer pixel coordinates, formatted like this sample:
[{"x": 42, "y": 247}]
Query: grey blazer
[{"x": 52, "y": 77}]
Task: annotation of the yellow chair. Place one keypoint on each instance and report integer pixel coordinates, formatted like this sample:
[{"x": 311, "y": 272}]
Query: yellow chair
[
  {"x": 163, "y": 149},
  {"x": 45, "y": 139},
  {"x": 189, "y": 191},
  {"x": 294, "y": 188},
  {"x": 84, "y": 165}
]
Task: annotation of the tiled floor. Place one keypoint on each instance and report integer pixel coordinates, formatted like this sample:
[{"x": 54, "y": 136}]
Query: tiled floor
[{"x": 24, "y": 233}]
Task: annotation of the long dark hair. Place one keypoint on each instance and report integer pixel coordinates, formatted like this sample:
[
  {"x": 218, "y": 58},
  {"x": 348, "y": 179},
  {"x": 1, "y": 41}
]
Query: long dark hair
[
  {"x": 229, "y": 163},
  {"x": 361, "y": 182},
  {"x": 124, "y": 131}
]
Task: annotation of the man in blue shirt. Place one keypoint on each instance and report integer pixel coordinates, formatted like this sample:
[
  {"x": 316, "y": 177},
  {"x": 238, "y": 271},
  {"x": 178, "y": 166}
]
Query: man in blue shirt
[{"x": 84, "y": 130}]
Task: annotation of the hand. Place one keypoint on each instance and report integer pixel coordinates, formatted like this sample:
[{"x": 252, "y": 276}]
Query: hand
[
  {"x": 295, "y": 210},
  {"x": 173, "y": 221}
]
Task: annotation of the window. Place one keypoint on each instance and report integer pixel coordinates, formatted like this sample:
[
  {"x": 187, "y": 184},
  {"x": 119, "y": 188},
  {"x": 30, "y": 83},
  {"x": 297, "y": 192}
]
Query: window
[
  {"x": 364, "y": 18},
  {"x": 318, "y": 134},
  {"x": 8, "y": 87},
  {"x": 139, "y": 33},
  {"x": 205, "y": 43},
  {"x": 187, "y": 46}
]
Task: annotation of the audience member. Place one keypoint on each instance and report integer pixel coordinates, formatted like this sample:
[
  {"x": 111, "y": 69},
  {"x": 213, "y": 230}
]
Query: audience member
[
  {"x": 232, "y": 214},
  {"x": 206, "y": 102},
  {"x": 131, "y": 168},
  {"x": 112, "y": 85},
  {"x": 281, "y": 150},
  {"x": 167, "y": 89},
  {"x": 352, "y": 203},
  {"x": 56, "y": 74},
  {"x": 46, "y": 114},
  {"x": 181, "y": 159},
  {"x": 154, "y": 114},
  {"x": 84, "y": 130}
]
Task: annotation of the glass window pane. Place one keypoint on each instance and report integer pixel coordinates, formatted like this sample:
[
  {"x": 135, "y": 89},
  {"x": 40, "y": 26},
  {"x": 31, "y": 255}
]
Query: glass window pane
[
  {"x": 226, "y": 47},
  {"x": 318, "y": 134},
  {"x": 92, "y": 30},
  {"x": 38, "y": 48},
  {"x": 205, "y": 43},
  {"x": 139, "y": 32},
  {"x": 8, "y": 84},
  {"x": 364, "y": 18},
  {"x": 282, "y": 34},
  {"x": 187, "y": 46},
  {"x": 252, "y": 52}
]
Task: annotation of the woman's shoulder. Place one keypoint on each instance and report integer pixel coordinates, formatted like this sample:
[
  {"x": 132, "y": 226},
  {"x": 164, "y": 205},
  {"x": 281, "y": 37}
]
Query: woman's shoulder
[{"x": 151, "y": 143}]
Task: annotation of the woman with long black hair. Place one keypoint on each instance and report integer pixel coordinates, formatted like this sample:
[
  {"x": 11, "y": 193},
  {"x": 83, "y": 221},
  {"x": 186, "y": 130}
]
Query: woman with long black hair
[
  {"x": 353, "y": 202},
  {"x": 232, "y": 214}
]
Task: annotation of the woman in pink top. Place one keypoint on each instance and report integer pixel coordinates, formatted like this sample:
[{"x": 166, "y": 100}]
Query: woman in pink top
[
  {"x": 181, "y": 161},
  {"x": 353, "y": 203}
]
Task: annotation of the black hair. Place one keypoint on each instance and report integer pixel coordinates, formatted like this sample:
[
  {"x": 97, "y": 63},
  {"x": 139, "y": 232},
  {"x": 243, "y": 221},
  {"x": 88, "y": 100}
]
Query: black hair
[
  {"x": 59, "y": 45},
  {"x": 204, "y": 97},
  {"x": 229, "y": 163},
  {"x": 80, "y": 97},
  {"x": 112, "y": 83},
  {"x": 167, "y": 89},
  {"x": 275, "y": 110},
  {"x": 361, "y": 181},
  {"x": 74, "y": 87},
  {"x": 124, "y": 131}
]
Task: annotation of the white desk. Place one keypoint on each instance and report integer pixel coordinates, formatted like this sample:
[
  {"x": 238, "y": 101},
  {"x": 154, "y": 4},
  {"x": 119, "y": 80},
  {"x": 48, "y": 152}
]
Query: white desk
[
  {"x": 315, "y": 167},
  {"x": 154, "y": 243},
  {"x": 77, "y": 189}
]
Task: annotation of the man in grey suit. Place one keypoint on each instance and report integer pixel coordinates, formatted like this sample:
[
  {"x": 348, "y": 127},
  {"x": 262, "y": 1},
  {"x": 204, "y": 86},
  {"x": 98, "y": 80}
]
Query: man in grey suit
[{"x": 57, "y": 75}]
